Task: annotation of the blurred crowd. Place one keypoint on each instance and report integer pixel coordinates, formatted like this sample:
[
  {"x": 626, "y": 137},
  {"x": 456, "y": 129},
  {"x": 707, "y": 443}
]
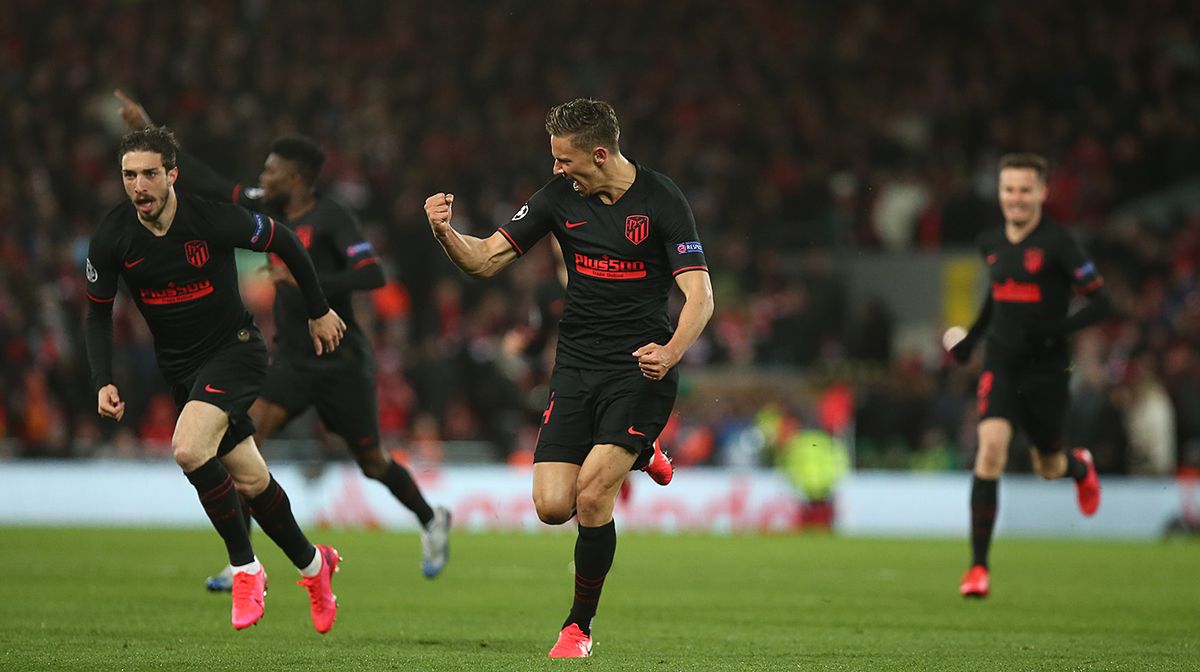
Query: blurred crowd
[{"x": 798, "y": 131}]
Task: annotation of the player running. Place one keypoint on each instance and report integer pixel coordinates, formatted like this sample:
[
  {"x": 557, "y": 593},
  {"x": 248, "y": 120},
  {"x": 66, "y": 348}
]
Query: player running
[
  {"x": 626, "y": 232},
  {"x": 341, "y": 386},
  {"x": 176, "y": 255},
  {"x": 1034, "y": 266}
]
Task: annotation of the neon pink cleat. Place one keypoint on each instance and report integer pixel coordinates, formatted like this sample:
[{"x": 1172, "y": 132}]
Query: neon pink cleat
[
  {"x": 1087, "y": 491},
  {"x": 975, "y": 582},
  {"x": 572, "y": 643},
  {"x": 249, "y": 598},
  {"x": 320, "y": 590},
  {"x": 660, "y": 467}
]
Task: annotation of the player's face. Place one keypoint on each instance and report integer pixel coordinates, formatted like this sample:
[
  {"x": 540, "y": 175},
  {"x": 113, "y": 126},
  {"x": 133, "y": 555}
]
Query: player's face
[
  {"x": 1022, "y": 194},
  {"x": 576, "y": 165},
  {"x": 277, "y": 179},
  {"x": 147, "y": 183}
]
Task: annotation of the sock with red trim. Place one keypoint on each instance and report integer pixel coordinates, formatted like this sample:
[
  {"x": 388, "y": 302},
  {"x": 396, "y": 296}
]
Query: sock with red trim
[
  {"x": 220, "y": 501},
  {"x": 595, "y": 548}
]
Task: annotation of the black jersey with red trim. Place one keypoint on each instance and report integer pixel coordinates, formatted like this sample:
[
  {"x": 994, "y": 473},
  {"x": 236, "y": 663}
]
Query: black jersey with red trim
[
  {"x": 335, "y": 242},
  {"x": 185, "y": 282},
  {"x": 1031, "y": 286},
  {"x": 621, "y": 261}
]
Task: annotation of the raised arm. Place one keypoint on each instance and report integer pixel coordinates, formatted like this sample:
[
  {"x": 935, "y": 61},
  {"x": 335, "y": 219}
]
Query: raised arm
[{"x": 477, "y": 257}]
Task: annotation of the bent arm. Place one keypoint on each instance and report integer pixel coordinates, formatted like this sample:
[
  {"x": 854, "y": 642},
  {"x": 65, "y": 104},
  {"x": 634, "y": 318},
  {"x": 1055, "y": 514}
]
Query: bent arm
[
  {"x": 697, "y": 310},
  {"x": 477, "y": 257}
]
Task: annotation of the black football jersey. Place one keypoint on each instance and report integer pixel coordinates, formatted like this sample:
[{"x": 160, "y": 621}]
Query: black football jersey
[
  {"x": 621, "y": 261},
  {"x": 329, "y": 232},
  {"x": 1031, "y": 284},
  {"x": 185, "y": 283}
]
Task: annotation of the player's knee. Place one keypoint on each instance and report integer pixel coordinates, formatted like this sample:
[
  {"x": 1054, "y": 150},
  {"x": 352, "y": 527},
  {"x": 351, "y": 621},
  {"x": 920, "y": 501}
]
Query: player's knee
[
  {"x": 553, "y": 510},
  {"x": 251, "y": 485},
  {"x": 593, "y": 502},
  {"x": 373, "y": 464},
  {"x": 188, "y": 455},
  {"x": 990, "y": 459}
]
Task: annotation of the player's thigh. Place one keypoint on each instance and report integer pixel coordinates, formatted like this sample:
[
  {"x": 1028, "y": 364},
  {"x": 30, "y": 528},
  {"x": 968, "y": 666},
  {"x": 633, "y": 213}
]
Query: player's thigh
[
  {"x": 247, "y": 467},
  {"x": 346, "y": 402},
  {"x": 198, "y": 433},
  {"x": 1044, "y": 398},
  {"x": 232, "y": 380},
  {"x": 567, "y": 432},
  {"x": 631, "y": 410},
  {"x": 600, "y": 480},
  {"x": 286, "y": 392},
  {"x": 554, "y": 490}
]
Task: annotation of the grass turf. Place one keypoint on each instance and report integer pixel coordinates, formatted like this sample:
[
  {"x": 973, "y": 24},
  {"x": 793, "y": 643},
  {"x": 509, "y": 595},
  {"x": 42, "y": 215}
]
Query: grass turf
[{"x": 123, "y": 599}]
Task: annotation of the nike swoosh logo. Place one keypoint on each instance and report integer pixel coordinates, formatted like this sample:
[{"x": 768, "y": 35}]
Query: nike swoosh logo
[
  {"x": 575, "y": 225},
  {"x": 210, "y": 388},
  {"x": 634, "y": 432},
  {"x": 135, "y": 262}
]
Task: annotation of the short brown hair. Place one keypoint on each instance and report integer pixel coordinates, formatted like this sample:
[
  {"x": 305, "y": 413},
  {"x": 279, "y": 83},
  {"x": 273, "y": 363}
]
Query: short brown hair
[
  {"x": 589, "y": 123},
  {"x": 157, "y": 139},
  {"x": 1026, "y": 160}
]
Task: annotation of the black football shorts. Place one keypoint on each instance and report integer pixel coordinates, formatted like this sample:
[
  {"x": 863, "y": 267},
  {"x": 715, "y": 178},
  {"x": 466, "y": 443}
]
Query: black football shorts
[
  {"x": 230, "y": 380},
  {"x": 591, "y": 407},
  {"x": 1033, "y": 400},
  {"x": 342, "y": 389}
]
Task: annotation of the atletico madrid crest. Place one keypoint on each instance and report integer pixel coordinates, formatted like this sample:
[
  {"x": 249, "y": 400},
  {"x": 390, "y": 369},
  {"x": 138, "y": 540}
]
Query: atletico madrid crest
[
  {"x": 196, "y": 252},
  {"x": 637, "y": 227},
  {"x": 1033, "y": 259}
]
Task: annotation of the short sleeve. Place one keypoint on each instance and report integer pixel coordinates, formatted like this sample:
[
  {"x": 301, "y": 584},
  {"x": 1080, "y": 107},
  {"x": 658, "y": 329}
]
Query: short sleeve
[
  {"x": 348, "y": 239},
  {"x": 1082, "y": 270},
  {"x": 236, "y": 226},
  {"x": 677, "y": 226},
  {"x": 531, "y": 223}
]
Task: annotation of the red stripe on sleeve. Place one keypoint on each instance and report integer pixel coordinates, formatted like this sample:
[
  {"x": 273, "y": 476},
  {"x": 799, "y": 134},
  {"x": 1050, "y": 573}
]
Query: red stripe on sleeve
[
  {"x": 689, "y": 268},
  {"x": 98, "y": 299},
  {"x": 237, "y": 191},
  {"x": 366, "y": 262},
  {"x": 511, "y": 241},
  {"x": 272, "y": 237}
]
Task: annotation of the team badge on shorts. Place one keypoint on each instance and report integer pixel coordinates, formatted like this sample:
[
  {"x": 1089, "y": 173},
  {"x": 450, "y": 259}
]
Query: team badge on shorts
[
  {"x": 196, "y": 252},
  {"x": 637, "y": 227}
]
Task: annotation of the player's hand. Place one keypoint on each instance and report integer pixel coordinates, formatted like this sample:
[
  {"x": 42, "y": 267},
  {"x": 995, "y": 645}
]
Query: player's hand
[
  {"x": 110, "y": 404},
  {"x": 439, "y": 208},
  {"x": 132, "y": 113},
  {"x": 956, "y": 343},
  {"x": 326, "y": 332},
  {"x": 280, "y": 274},
  {"x": 655, "y": 360}
]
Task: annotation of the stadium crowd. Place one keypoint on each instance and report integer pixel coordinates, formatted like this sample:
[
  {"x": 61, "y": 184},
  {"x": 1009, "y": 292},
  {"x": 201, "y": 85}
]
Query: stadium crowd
[{"x": 800, "y": 132}]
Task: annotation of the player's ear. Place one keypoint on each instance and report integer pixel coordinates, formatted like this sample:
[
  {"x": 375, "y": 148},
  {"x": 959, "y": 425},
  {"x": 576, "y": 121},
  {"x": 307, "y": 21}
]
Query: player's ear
[
  {"x": 172, "y": 175},
  {"x": 599, "y": 155}
]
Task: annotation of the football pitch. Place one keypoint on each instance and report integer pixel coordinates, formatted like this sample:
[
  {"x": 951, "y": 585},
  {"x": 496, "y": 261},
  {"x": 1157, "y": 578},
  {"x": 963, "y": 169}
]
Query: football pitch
[{"x": 126, "y": 599}]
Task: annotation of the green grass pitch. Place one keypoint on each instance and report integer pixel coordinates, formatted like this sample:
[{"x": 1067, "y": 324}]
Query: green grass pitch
[{"x": 124, "y": 599}]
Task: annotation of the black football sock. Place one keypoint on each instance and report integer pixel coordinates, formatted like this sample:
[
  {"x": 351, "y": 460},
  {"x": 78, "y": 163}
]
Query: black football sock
[
  {"x": 984, "y": 502},
  {"x": 220, "y": 500},
  {"x": 273, "y": 511},
  {"x": 595, "y": 548},
  {"x": 400, "y": 481},
  {"x": 643, "y": 459},
  {"x": 1076, "y": 468},
  {"x": 244, "y": 501}
]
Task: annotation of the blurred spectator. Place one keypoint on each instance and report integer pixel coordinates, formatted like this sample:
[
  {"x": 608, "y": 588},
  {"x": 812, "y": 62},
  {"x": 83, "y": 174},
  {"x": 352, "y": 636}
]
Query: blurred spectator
[{"x": 797, "y": 131}]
